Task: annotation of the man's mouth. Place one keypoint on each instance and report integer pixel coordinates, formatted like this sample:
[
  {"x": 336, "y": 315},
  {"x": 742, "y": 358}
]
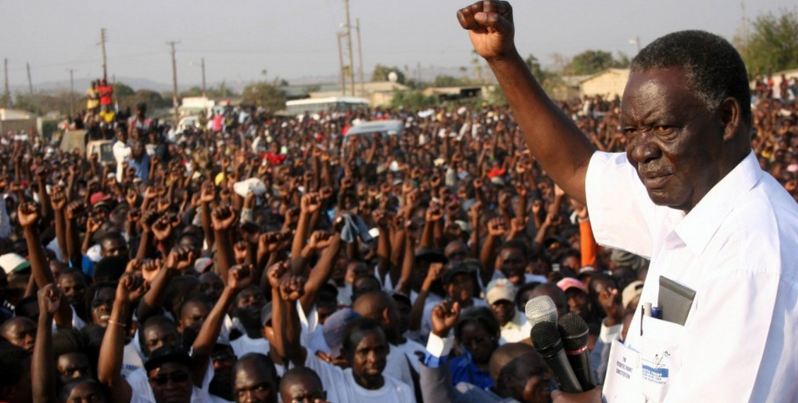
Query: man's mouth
[{"x": 655, "y": 180}]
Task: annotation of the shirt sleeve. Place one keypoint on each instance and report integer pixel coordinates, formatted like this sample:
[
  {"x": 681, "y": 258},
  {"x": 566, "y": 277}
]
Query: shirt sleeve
[
  {"x": 620, "y": 210},
  {"x": 438, "y": 349},
  {"x": 5, "y": 222}
]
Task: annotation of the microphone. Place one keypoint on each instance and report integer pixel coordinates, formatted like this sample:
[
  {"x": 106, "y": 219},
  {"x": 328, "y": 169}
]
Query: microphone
[
  {"x": 573, "y": 331},
  {"x": 541, "y": 309},
  {"x": 546, "y": 339}
]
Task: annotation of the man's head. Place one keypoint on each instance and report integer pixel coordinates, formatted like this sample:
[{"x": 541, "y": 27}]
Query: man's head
[
  {"x": 192, "y": 313},
  {"x": 254, "y": 379},
  {"x": 478, "y": 332},
  {"x": 73, "y": 285},
  {"x": 73, "y": 365},
  {"x": 366, "y": 348},
  {"x": 248, "y": 305},
  {"x": 19, "y": 331},
  {"x": 100, "y": 302},
  {"x": 113, "y": 244},
  {"x": 211, "y": 285},
  {"x": 456, "y": 251},
  {"x": 553, "y": 292},
  {"x": 223, "y": 358},
  {"x": 686, "y": 114},
  {"x": 520, "y": 372},
  {"x": 381, "y": 308},
  {"x": 512, "y": 261},
  {"x": 301, "y": 384},
  {"x": 500, "y": 297},
  {"x": 459, "y": 282},
  {"x": 158, "y": 332},
  {"x": 83, "y": 390},
  {"x": 169, "y": 373},
  {"x": 577, "y": 294}
]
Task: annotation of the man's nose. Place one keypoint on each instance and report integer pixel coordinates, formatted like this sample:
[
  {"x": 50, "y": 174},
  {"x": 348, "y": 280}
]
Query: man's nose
[{"x": 644, "y": 150}]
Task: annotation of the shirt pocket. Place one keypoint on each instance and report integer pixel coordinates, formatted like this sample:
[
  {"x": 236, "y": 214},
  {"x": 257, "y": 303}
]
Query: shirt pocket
[{"x": 659, "y": 356}]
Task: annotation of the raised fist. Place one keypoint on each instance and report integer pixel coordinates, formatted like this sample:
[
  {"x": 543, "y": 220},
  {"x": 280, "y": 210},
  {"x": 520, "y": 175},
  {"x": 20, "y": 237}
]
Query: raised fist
[
  {"x": 223, "y": 218},
  {"x": 180, "y": 258},
  {"x": 27, "y": 214},
  {"x": 444, "y": 317}
]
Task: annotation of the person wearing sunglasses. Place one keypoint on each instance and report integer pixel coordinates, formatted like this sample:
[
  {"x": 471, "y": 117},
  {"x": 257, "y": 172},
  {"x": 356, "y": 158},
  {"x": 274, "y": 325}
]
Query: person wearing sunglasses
[{"x": 169, "y": 374}]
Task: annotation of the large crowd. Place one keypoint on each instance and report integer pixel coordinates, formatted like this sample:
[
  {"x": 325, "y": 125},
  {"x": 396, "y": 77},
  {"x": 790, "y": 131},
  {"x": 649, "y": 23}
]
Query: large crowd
[{"x": 262, "y": 259}]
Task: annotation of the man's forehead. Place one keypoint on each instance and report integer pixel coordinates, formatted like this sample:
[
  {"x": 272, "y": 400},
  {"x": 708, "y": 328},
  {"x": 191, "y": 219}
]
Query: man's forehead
[{"x": 656, "y": 91}]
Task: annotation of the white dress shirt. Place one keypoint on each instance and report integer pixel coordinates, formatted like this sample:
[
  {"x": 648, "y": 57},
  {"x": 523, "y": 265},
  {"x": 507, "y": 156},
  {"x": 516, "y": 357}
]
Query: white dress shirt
[
  {"x": 738, "y": 249},
  {"x": 516, "y": 330}
]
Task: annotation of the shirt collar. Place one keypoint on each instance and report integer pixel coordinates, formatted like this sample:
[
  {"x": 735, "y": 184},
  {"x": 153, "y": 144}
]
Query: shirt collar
[{"x": 698, "y": 226}]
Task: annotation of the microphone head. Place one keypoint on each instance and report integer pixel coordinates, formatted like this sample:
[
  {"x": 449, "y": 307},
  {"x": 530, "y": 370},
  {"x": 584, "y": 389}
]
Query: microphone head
[
  {"x": 545, "y": 337},
  {"x": 541, "y": 309},
  {"x": 573, "y": 330}
]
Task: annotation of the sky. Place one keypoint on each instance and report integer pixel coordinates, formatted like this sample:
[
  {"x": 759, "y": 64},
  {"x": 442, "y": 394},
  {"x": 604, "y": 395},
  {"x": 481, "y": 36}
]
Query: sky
[{"x": 239, "y": 39}]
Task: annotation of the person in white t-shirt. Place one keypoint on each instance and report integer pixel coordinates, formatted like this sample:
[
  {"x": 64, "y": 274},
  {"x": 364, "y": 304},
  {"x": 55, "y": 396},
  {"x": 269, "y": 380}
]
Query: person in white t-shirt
[
  {"x": 255, "y": 379},
  {"x": 301, "y": 384},
  {"x": 365, "y": 347},
  {"x": 380, "y": 307}
]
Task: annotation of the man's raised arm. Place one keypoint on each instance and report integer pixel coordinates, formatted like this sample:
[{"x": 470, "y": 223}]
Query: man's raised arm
[{"x": 553, "y": 139}]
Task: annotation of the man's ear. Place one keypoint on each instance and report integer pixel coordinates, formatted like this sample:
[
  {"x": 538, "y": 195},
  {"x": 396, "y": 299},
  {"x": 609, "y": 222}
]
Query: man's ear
[
  {"x": 730, "y": 114},
  {"x": 386, "y": 315}
]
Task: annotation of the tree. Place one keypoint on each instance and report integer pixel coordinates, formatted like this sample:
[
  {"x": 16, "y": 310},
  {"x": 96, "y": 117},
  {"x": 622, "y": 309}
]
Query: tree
[
  {"x": 153, "y": 99},
  {"x": 450, "y": 81},
  {"x": 381, "y": 73},
  {"x": 534, "y": 66},
  {"x": 122, "y": 90},
  {"x": 267, "y": 95},
  {"x": 772, "y": 45},
  {"x": 412, "y": 100},
  {"x": 589, "y": 62}
]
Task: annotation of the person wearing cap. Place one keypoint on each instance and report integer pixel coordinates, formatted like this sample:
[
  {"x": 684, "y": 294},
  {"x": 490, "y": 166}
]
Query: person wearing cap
[
  {"x": 459, "y": 285},
  {"x": 577, "y": 294},
  {"x": 690, "y": 194},
  {"x": 500, "y": 297},
  {"x": 169, "y": 375}
]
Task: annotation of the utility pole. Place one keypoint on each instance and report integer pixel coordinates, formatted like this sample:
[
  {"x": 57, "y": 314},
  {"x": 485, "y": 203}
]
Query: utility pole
[
  {"x": 349, "y": 46},
  {"x": 174, "y": 80},
  {"x": 105, "y": 60},
  {"x": 7, "y": 92},
  {"x": 360, "y": 57},
  {"x": 202, "y": 64},
  {"x": 341, "y": 62},
  {"x": 71, "y": 91},
  {"x": 30, "y": 82}
]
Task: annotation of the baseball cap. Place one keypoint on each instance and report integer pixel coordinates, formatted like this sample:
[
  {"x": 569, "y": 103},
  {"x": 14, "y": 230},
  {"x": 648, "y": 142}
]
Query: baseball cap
[
  {"x": 452, "y": 270},
  {"x": 167, "y": 354},
  {"x": 11, "y": 262},
  {"x": 430, "y": 255},
  {"x": 500, "y": 289},
  {"x": 98, "y": 198},
  {"x": 569, "y": 282},
  {"x": 634, "y": 289},
  {"x": 203, "y": 264}
]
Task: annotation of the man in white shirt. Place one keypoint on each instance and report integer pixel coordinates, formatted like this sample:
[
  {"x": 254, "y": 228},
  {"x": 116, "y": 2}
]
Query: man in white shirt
[
  {"x": 688, "y": 193},
  {"x": 365, "y": 348},
  {"x": 121, "y": 151},
  {"x": 514, "y": 326}
]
